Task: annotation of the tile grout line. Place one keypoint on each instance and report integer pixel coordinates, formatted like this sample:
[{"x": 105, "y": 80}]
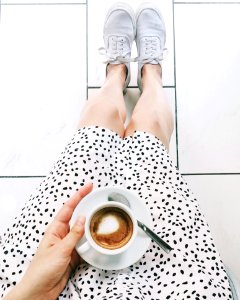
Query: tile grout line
[
  {"x": 134, "y": 87},
  {"x": 209, "y": 174},
  {"x": 175, "y": 83},
  {"x": 85, "y": 3},
  {"x": 23, "y": 176},
  {"x": 207, "y": 2},
  {"x": 86, "y": 49},
  {"x": 45, "y": 3}
]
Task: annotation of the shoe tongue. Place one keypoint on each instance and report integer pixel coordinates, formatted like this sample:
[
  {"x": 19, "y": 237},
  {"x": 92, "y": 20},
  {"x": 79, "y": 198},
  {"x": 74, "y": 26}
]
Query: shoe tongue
[
  {"x": 151, "y": 48},
  {"x": 117, "y": 46}
]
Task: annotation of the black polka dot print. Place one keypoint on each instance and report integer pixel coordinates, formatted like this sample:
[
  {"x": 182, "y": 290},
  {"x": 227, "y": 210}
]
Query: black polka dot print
[{"x": 193, "y": 270}]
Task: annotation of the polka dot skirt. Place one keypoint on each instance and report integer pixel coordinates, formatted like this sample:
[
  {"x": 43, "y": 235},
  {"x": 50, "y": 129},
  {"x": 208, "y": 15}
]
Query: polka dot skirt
[{"x": 193, "y": 270}]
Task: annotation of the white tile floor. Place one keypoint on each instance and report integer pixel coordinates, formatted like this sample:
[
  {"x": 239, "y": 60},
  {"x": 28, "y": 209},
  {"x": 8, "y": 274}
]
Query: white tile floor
[{"x": 49, "y": 61}]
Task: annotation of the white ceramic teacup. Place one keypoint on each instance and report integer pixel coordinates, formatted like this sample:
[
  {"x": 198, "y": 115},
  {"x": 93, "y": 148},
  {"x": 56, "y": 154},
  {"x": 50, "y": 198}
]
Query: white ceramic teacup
[{"x": 82, "y": 248}]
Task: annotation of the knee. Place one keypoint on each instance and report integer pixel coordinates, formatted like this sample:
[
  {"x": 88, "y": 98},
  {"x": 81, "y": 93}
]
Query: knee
[{"x": 102, "y": 109}]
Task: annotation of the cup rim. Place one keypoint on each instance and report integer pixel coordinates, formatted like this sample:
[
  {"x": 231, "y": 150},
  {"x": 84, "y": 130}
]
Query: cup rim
[{"x": 94, "y": 244}]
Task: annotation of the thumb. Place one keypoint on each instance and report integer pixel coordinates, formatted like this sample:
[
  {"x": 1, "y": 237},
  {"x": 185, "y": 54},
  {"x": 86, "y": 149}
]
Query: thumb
[{"x": 74, "y": 235}]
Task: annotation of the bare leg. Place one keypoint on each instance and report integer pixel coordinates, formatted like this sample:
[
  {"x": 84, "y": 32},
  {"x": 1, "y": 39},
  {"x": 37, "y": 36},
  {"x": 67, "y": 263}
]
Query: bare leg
[
  {"x": 152, "y": 112},
  {"x": 107, "y": 107}
]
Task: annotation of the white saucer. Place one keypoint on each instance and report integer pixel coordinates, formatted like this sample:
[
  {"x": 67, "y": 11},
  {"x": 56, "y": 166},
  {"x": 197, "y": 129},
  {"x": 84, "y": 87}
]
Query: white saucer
[{"x": 140, "y": 244}]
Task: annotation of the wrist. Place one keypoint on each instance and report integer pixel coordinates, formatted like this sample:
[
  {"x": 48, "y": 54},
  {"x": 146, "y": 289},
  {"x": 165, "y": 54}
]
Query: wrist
[{"x": 23, "y": 292}]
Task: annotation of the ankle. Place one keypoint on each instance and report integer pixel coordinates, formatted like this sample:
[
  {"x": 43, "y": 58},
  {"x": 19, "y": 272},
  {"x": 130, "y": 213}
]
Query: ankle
[
  {"x": 152, "y": 70},
  {"x": 151, "y": 75},
  {"x": 119, "y": 69},
  {"x": 117, "y": 73}
]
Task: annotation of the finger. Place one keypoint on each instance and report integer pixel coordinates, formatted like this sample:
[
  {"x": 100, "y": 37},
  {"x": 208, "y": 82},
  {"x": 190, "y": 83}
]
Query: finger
[
  {"x": 65, "y": 213},
  {"x": 83, "y": 191},
  {"x": 72, "y": 238},
  {"x": 53, "y": 234}
]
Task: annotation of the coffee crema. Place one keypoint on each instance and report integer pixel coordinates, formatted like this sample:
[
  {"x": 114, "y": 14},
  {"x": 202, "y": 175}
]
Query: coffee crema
[{"x": 111, "y": 227}]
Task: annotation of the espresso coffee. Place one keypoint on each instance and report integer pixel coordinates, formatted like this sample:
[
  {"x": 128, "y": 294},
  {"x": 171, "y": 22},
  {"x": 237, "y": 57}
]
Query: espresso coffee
[{"x": 111, "y": 227}]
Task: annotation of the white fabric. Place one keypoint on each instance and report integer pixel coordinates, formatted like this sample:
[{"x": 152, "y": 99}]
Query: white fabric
[{"x": 192, "y": 270}]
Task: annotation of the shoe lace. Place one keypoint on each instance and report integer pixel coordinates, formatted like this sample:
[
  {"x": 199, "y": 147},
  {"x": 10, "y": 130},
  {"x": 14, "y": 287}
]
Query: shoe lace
[
  {"x": 117, "y": 52},
  {"x": 151, "y": 46}
]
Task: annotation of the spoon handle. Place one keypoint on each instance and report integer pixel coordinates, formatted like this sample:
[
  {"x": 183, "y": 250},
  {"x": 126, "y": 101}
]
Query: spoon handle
[{"x": 155, "y": 237}]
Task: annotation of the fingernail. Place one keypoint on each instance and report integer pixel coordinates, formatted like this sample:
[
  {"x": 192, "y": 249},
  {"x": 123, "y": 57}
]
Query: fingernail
[{"x": 81, "y": 220}]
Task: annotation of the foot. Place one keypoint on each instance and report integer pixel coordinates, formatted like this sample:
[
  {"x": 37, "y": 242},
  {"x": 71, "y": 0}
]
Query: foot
[
  {"x": 150, "y": 37},
  {"x": 119, "y": 34}
]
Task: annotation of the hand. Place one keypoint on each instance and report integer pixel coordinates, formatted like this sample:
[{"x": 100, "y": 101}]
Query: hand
[{"x": 56, "y": 256}]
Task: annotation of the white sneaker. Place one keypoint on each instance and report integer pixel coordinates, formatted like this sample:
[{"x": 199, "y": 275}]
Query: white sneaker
[
  {"x": 118, "y": 34},
  {"x": 150, "y": 37}
]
